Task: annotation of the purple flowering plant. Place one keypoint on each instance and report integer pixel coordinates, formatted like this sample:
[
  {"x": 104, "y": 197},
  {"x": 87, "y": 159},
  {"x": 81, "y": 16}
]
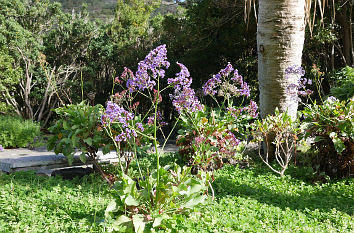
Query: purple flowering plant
[
  {"x": 162, "y": 192},
  {"x": 299, "y": 84},
  {"x": 210, "y": 137},
  {"x": 121, "y": 119}
]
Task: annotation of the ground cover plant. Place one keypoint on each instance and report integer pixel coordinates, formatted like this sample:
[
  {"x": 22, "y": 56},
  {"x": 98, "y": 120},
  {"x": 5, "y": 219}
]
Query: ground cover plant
[
  {"x": 32, "y": 203},
  {"x": 246, "y": 200}
]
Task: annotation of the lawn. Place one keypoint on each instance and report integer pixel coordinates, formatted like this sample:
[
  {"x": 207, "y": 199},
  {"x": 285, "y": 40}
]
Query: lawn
[{"x": 246, "y": 200}]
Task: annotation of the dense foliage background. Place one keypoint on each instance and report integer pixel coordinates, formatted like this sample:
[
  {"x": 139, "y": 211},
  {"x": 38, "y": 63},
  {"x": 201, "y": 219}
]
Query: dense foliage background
[{"x": 51, "y": 50}]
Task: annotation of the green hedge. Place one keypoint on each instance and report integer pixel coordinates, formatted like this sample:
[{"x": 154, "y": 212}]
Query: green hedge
[{"x": 16, "y": 132}]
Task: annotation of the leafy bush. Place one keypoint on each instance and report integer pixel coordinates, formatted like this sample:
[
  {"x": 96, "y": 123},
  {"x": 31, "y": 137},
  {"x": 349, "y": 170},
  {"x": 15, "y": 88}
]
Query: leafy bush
[
  {"x": 16, "y": 132},
  {"x": 79, "y": 130},
  {"x": 332, "y": 127},
  {"x": 344, "y": 89}
]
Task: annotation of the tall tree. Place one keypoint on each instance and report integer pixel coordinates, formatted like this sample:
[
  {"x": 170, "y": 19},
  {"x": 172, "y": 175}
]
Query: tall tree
[{"x": 280, "y": 39}]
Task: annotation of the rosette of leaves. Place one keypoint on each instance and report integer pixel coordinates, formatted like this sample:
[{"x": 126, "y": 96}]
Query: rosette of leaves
[
  {"x": 331, "y": 126},
  {"x": 206, "y": 139},
  {"x": 140, "y": 204},
  {"x": 79, "y": 130}
]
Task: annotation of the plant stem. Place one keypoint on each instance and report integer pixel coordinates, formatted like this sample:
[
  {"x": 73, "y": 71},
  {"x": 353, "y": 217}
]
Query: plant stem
[
  {"x": 169, "y": 135},
  {"x": 109, "y": 132},
  {"x": 155, "y": 142},
  {"x": 98, "y": 167},
  {"x": 137, "y": 160},
  {"x": 82, "y": 88}
]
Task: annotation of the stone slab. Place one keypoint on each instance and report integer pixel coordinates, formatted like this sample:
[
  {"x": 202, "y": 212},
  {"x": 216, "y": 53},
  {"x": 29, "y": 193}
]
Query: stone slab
[
  {"x": 23, "y": 159},
  {"x": 40, "y": 159}
]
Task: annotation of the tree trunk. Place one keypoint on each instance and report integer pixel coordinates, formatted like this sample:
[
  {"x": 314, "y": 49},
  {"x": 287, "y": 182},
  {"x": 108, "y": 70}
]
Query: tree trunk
[
  {"x": 280, "y": 40},
  {"x": 344, "y": 20}
]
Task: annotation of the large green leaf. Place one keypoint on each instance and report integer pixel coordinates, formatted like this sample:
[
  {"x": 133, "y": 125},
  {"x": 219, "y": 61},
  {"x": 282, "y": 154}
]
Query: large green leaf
[
  {"x": 112, "y": 206},
  {"x": 83, "y": 157},
  {"x": 338, "y": 145},
  {"x": 131, "y": 201},
  {"x": 88, "y": 141},
  {"x": 139, "y": 224},
  {"x": 194, "y": 201},
  {"x": 122, "y": 219},
  {"x": 158, "y": 220}
]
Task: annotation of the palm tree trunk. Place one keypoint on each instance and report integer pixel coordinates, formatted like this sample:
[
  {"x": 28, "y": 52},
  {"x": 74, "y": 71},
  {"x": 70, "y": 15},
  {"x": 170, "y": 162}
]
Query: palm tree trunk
[{"x": 280, "y": 40}]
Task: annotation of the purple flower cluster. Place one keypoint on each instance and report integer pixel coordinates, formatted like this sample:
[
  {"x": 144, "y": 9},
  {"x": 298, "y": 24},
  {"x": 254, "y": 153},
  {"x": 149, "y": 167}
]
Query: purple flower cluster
[
  {"x": 127, "y": 73},
  {"x": 182, "y": 78},
  {"x": 235, "y": 112},
  {"x": 227, "y": 71},
  {"x": 154, "y": 62},
  {"x": 184, "y": 98},
  {"x": 298, "y": 88},
  {"x": 115, "y": 113},
  {"x": 200, "y": 140},
  {"x": 245, "y": 90},
  {"x": 1, "y": 148},
  {"x": 140, "y": 126},
  {"x": 237, "y": 78},
  {"x": 295, "y": 69},
  {"x": 210, "y": 86},
  {"x": 232, "y": 139},
  {"x": 158, "y": 119},
  {"x": 331, "y": 99},
  {"x": 251, "y": 109},
  {"x": 125, "y": 135}
]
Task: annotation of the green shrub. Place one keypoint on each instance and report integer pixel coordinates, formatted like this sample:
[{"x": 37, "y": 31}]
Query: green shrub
[
  {"x": 16, "y": 132},
  {"x": 332, "y": 127},
  {"x": 344, "y": 89},
  {"x": 79, "y": 130},
  {"x": 5, "y": 108}
]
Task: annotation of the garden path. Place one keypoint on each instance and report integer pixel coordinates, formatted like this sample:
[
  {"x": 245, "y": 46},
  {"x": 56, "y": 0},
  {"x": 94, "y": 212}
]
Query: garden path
[{"x": 45, "y": 162}]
